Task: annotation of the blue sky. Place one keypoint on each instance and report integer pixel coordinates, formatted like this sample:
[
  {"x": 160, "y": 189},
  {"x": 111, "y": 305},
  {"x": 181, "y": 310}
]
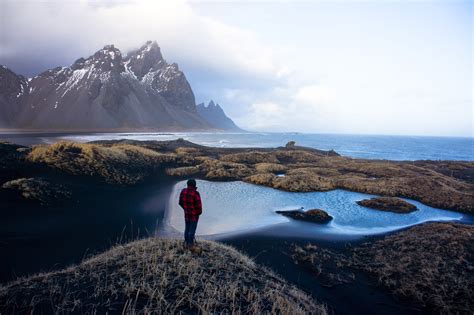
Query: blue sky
[{"x": 376, "y": 67}]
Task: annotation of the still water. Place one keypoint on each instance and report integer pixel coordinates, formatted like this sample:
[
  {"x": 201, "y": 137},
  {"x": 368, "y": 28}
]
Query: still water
[{"x": 237, "y": 207}]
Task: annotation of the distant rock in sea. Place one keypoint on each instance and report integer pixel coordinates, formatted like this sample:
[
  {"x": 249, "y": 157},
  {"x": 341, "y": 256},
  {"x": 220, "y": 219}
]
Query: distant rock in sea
[
  {"x": 215, "y": 116},
  {"x": 106, "y": 91}
]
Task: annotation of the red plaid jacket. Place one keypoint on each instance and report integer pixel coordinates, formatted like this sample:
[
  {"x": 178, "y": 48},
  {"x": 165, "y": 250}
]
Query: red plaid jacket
[{"x": 190, "y": 201}]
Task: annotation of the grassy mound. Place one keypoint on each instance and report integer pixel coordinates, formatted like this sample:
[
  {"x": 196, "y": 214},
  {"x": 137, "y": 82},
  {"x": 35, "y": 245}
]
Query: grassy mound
[
  {"x": 391, "y": 204},
  {"x": 121, "y": 163},
  {"x": 431, "y": 265},
  {"x": 159, "y": 276}
]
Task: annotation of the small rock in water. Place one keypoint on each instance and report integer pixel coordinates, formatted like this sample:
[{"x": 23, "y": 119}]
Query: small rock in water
[{"x": 313, "y": 215}]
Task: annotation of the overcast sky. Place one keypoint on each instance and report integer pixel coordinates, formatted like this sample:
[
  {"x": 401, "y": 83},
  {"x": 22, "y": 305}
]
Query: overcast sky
[{"x": 375, "y": 67}]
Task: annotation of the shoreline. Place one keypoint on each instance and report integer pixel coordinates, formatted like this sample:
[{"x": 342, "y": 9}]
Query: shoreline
[{"x": 349, "y": 145}]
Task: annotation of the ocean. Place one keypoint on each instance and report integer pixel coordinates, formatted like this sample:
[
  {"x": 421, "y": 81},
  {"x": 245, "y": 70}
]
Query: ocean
[{"x": 356, "y": 146}]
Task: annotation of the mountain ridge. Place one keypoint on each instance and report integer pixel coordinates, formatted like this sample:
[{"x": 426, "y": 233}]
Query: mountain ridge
[{"x": 106, "y": 91}]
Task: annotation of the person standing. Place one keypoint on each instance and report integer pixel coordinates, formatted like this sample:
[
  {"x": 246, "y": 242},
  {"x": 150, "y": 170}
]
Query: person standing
[{"x": 190, "y": 201}]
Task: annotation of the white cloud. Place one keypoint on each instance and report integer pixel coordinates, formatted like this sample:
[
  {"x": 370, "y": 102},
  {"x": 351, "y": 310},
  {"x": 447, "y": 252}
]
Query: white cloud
[
  {"x": 307, "y": 108},
  {"x": 315, "y": 95},
  {"x": 82, "y": 27}
]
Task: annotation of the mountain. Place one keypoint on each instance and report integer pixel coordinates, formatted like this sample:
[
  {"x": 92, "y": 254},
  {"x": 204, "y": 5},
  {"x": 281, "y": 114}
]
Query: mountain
[
  {"x": 215, "y": 116},
  {"x": 106, "y": 91},
  {"x": 12, "y": 87}
]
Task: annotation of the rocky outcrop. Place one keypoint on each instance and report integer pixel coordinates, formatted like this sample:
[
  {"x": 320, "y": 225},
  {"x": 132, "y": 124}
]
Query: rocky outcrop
[
  {"x": 388, "y": 204},
  {"x": 215, "y": 116},
  {"x": 313, "y": 215}
]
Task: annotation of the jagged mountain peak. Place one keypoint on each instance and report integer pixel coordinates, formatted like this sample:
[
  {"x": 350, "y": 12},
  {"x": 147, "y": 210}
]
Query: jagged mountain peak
[
  {"x": 149, "y": 50},
  {"x": 145, "y": 59},
  {"x": 150, "y": 46},
  {"x": 106, "y": 59},
  {"x": 215, "y": 116},
  {"x": 211, "y": 104},
  {"x": 108, "y": 52}
]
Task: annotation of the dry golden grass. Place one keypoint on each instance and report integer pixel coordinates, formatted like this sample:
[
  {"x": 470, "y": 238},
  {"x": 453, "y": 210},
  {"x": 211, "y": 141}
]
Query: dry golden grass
[
  {"x": 218, "y": 170},
  {"x": 270, "y": 168},
  {"x": 122, "y": 163},
  {"x": 252, "y": 157},
  {"x": 265, "y": 179},
  {"x": 430, "y": 264},
  {"x": 303, "y": 182},
  {"x": 185, "y": 171},
  {"x": 184, "y": 150},
  {"x": 388, "y": 204},
  {"x": 159, "y": 276},
  {"x": 296, "y": 156}
]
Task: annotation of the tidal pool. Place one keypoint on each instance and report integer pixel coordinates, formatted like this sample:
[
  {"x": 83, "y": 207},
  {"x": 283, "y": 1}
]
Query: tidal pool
[{"x": 236, "y": 207}]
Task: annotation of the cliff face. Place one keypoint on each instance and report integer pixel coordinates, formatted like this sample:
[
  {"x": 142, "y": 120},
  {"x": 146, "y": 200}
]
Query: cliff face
[
  {"x": 215, "y": 116},
  {"x": 12, "y": 87},
  {"x": 103, "y": 92}
]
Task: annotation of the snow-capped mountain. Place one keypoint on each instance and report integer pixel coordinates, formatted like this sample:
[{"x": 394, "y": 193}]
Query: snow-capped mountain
[
  {"x": 215, "y": 116},
  {"x": 106, "y": 91}
]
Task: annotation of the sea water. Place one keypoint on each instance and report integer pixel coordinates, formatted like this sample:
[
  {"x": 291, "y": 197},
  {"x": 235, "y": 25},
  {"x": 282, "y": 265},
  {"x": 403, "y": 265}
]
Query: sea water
[
  {"x": 237, "y": 207},
  {"x": 357, "y": 146}
]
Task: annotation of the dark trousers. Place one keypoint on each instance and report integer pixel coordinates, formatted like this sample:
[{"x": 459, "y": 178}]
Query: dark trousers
[{"x": 190, "y": 231}]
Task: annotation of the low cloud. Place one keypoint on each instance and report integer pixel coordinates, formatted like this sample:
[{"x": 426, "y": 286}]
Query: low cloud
[{"x": 40, "y": 34}]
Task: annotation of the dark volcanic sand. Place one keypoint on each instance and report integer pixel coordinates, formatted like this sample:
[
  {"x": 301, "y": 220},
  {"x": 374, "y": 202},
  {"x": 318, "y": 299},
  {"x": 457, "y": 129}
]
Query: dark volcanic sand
[
  {"x": 359, "y": 297},
  {"x": 34, "y": 238}
]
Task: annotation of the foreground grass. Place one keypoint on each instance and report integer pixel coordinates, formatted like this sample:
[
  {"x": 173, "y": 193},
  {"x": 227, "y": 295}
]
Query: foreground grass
[
  {"x": 159, "y": 276},
  {"x": 431, "y": 265}
]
